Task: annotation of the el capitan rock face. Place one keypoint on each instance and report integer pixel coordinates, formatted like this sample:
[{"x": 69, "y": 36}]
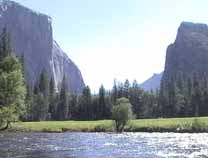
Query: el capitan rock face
[
  {"x": 31, "y": 35},
  {"x": 189, "y": 53}
]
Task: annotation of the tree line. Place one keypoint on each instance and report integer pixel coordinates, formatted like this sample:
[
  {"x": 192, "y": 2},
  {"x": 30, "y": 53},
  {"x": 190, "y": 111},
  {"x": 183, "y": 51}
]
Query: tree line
[
  {"x": 179, "y": 96},
  {"x": 184, "y": 96},
  {"x": 43, "y": 102}
]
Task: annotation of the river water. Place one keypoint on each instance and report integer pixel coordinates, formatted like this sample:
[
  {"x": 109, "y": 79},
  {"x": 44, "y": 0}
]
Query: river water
[{"x": 103, "y": 145}]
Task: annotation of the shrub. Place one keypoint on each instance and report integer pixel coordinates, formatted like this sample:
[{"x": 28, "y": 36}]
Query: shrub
[{"x": 121, "y": 113}]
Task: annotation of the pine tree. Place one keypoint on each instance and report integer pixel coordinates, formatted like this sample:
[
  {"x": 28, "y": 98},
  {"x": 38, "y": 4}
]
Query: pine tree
[
  {"x": 126, "y": 89},
  {"x": 44, "y": 90},
  {"x": 74, "y": 104},
  {"x": 12, "y": 88},
  {"x": 188, "y": 96},
  {"x": 41, "y": 98},
  {"x": 44, "y": 84},
  {"x": 181, "y": 105},
  {"x": 52, "y": 99},
  {"x": 22, "y": 61},
  {"x": 120, "y": 90},
  {"x": 196, "y": 96},
  {"x": 135, "y": 97},
  {"x": 39, "y": 109},
  {"x": 163, "y": 99},
  {"x": 103, "y": 109},
  {"x": 180, "y": 82},
  {"x": 5, "y": 48},
  {"x": 114, "y": 95},
  {"x": 29, "y": 104},
  {"x": 203, "y": 109},
  {"x": 85, "y": 110},
  {"x": 63, "y": 107},
  {"x": 172, "y": 100}
]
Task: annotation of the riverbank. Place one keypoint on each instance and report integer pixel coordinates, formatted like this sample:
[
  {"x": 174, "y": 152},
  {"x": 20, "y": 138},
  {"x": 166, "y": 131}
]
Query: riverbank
[{"x": 190, "y": 125}]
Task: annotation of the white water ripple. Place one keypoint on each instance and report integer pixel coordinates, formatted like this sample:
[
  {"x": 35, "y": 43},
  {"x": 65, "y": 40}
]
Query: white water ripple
[{"x": 104, "y": 145}]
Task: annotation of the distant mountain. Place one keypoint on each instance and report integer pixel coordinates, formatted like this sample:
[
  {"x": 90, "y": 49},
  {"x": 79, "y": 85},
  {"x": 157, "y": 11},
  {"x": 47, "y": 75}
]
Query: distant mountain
[
  {"x": 32, "y": 36},
  {"x": 152, "y": 83}
]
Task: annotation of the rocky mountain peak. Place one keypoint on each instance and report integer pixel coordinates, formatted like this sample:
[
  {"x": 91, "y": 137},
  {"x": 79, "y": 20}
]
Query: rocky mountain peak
[
  {"x": 192, "y": 33},
  {"x": 189, "y": 53}
]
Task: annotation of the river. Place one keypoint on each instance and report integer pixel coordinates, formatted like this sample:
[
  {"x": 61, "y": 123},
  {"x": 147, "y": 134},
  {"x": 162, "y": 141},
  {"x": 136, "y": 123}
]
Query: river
[{"x": 103, "y": 145}]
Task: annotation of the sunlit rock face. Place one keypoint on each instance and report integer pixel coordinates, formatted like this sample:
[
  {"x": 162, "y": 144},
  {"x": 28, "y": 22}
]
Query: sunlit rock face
[
  {"x": 189, "y": 53},
  {"x": 61, "y": 65},
  {"x": 31, "y": 36}
]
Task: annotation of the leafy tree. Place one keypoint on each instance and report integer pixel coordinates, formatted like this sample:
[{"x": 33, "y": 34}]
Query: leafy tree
[
  {"x": 7, "y": 115},
  {"x": 121, "y": 113}
]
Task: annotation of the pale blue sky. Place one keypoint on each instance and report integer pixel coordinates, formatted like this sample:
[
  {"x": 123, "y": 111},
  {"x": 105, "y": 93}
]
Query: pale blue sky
[{"x": 119, "y": 39}]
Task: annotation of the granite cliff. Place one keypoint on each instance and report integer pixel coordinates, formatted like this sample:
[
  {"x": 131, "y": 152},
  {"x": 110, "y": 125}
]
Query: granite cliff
[
  {"x": 189, "y": 53},
  {"x": 31, "y": 35}
]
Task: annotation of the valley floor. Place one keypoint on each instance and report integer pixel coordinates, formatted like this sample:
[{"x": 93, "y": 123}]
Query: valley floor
[{"x": 198, "y": 124}]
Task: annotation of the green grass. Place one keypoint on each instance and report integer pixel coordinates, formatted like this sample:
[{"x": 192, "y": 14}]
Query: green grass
[
  {"x": 62, "y": 126},
  {"x": 199, "y": 124}
]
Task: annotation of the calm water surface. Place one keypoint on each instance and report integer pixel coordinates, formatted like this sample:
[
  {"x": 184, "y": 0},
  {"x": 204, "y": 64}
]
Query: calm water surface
[{"x": 103, "y": 145}]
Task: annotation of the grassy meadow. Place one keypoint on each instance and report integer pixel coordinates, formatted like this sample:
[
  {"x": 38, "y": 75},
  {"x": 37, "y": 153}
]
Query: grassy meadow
[{"x": 199, "y": 124}]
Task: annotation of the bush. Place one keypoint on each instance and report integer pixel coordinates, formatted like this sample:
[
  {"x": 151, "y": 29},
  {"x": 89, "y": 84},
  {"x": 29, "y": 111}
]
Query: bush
[{"x": 121, "y": 113}]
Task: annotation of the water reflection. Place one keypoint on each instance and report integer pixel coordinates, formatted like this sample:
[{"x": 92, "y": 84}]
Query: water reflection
[{"x": 103, "y": 145}]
